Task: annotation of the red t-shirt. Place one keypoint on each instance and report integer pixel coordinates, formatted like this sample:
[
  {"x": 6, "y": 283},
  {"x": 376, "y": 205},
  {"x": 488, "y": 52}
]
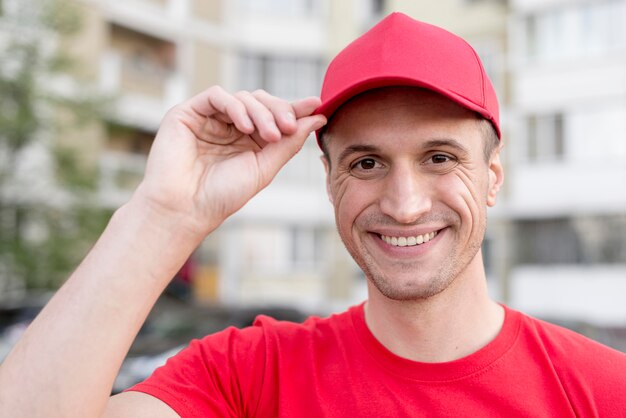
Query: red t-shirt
[{"x": 335, "y": 367}]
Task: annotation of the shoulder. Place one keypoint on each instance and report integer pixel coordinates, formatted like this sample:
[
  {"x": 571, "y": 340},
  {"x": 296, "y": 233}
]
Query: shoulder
[
  {"x": 592, "y": 374},
  {"x": 267, "y": 330},
  {"x": 312, "y": 327},
  {"x": 567, "y": 347}
]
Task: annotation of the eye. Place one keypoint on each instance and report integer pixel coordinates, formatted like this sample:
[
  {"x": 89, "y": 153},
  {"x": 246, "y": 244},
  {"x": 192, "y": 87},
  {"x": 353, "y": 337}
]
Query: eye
[
  {"x": 440, "y": 163},
  {"x": 440, "y": 159},
  {"x": 365, "y": 164},
  {"x": 367, "y": 168}
]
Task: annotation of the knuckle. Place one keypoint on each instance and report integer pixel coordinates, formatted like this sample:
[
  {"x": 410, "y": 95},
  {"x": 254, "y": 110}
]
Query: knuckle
[
  {"x": 242, "y": 94},
  {"x": 235, "y": 107},
  {"x": 216, "y": 90}
]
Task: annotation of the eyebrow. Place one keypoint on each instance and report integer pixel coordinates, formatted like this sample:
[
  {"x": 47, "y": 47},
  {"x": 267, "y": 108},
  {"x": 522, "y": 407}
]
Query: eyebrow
[
  {"x": 445, "y": 142},
  {"x": 352, "y": 149}
]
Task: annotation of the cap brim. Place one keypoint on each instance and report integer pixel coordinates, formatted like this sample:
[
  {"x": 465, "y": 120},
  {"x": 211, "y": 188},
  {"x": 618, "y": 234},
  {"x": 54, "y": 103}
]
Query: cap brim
[{"x": 330, "y": 106}]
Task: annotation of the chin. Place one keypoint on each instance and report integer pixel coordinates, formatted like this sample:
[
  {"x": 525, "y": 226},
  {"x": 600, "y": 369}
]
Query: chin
[{"x": 410, "y": 290}]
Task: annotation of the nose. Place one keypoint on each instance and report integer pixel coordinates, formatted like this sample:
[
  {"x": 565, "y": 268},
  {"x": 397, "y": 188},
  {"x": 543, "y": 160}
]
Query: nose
[{"x": 406, "y": 194}]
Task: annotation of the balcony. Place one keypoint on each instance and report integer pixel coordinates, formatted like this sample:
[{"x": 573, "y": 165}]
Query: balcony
[
  {"x": 572, "y": 292},
  {"x": 550, "y": 189},
  {"x": 142, "y": 70},
  {"x": 570, "y": 83}
]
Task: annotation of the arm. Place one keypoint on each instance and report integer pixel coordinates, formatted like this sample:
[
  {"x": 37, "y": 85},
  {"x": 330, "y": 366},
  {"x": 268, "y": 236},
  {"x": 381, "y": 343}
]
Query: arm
[{"x": 210, "y": 156}]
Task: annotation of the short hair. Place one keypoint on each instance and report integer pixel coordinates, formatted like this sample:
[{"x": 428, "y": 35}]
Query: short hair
[
  {"x": 490, "y": 137},
  {"x": 489, "y": 134}
]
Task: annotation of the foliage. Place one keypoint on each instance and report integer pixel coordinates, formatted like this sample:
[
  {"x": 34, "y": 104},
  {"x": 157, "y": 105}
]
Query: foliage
[{"x": 48, "y": 213}]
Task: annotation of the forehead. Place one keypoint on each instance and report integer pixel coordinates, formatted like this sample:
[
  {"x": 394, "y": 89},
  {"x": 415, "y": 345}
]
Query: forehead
[{"x": 393, "y": 114}]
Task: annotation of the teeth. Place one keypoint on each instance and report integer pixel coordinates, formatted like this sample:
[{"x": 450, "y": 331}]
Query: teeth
[{"x": 408, "y": 241}]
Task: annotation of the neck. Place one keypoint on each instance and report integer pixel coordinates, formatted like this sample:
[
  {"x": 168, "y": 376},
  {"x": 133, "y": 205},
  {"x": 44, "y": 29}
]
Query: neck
[{"x": 445, "y": 327}]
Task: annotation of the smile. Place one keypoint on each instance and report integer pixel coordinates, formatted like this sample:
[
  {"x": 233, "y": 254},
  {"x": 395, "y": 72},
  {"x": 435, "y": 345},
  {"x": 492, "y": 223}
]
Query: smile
[{"x": 409, "y": 241}]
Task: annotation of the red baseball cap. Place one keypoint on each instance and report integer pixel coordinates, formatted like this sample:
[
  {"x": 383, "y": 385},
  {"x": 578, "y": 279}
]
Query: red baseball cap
[{"x": 401, "y": 51}]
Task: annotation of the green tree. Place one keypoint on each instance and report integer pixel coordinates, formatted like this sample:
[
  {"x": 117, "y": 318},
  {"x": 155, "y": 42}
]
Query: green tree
[{"x": 48, "y": 212}]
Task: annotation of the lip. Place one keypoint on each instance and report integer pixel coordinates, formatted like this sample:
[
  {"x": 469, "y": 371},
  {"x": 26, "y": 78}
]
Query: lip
[{"x": 406, "y": 252}]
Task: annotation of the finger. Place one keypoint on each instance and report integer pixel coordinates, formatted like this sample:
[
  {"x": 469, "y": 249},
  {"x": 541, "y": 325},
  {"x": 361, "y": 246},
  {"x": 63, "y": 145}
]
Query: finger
[
  {"x": 217, "y": 102},
  {"x": 275, "y": 155},
  {"x": 284, "y": 114},
  {"x": 305, "y": 107},
  {"x": 261, "y": 116}
]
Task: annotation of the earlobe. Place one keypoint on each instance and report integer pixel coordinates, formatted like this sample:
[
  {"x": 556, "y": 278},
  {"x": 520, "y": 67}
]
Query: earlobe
[
  {"x": 327, "y": 170},
  {"x": 496, "y": 177}
]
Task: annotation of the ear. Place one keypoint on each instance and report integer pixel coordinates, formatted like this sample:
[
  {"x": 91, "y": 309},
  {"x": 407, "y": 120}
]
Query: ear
[
  {"x": 327, "y": 169},
  {"x": 496, "y": 176}
]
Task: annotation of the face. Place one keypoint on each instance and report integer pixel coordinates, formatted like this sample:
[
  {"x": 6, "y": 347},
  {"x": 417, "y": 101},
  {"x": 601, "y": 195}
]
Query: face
[{"x": 410, "y": 185}]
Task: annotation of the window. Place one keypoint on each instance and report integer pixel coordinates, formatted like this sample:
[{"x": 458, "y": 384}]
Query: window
[
  {"x": 129, "y": 140},
  {"x": 288, "y": 77},
  {"x": 551, "y": 241},
  {"x": 306, "y": 248},
  {"x": 140, "y": 63},
  {"x": 286, "y": 248},
  {"x": 588, "y": 240},
  {"x": 576, "y": 30},
  {"x": 545, "y": 137},
  {"x": 378, "y": 7}
]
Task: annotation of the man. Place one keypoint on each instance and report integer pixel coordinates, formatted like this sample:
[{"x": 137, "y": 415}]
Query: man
[{"x": 411, "y": 152}]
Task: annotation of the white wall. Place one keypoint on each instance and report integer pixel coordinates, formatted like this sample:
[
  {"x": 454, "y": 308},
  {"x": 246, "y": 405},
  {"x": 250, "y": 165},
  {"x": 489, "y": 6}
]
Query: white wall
[{"x": 593, "y": 294}]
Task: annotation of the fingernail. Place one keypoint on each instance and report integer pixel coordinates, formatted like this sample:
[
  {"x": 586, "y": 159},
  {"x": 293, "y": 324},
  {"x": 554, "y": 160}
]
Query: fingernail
[{"x": 291, "y": 117}]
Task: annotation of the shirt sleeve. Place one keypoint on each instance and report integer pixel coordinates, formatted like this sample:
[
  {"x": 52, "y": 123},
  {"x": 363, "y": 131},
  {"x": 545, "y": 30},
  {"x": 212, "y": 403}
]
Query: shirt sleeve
[
  {"x": 217, "y": 376},
  {"x": 592, "y": 375}
]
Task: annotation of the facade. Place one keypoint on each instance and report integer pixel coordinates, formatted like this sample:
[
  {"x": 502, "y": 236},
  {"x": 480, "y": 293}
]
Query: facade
[
  {"x": 566, "y": 206},
  {"x": 555, "y": 240},
  {"x": 282, "y": 248},
  {"x": 154, "y": 54},
  {"x": 148, "y": 55}
]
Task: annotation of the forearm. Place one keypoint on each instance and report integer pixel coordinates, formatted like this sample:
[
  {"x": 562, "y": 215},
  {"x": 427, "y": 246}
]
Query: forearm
[{"x": 67, "y": 360}]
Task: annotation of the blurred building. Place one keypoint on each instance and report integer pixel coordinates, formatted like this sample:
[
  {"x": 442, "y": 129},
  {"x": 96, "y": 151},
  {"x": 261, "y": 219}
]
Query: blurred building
[
  {"x": 282, "y": 248},
  {"x": 556, "y": 243},
  {"x": 150, "y": 55},
  {"x": 565, "y": 207}
]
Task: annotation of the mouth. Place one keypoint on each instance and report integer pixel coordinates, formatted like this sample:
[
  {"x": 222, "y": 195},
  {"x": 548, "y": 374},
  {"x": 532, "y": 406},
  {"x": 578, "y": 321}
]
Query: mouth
[{"x": 410, "y": 241}]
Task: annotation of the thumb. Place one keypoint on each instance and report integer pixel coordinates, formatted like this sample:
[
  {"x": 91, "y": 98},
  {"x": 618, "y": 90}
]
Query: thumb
[{"x": 276, "y": 154}]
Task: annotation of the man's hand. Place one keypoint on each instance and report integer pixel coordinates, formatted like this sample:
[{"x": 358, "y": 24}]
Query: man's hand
[{"x": 216, "y": 151}]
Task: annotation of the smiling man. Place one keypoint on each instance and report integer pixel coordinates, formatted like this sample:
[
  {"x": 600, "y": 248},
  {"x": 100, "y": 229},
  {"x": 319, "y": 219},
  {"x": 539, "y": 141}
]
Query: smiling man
[
  {"x": 409, "y": 128},
  {"x": 409, "y": 182}
]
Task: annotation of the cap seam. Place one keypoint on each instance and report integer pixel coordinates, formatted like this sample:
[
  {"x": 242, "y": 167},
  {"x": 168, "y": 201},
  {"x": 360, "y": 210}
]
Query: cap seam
[{"x": 482, "y": 73}]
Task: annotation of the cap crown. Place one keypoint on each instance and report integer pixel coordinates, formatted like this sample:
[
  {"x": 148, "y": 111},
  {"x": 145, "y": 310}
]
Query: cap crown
[{"x": 401, "y": 51}]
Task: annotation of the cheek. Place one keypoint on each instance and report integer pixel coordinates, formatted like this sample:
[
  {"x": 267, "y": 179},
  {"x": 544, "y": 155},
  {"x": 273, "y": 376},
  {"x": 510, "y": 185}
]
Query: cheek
[
  {"x": 463, "y": 195},
  {"x": 349, "y": 201}
]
